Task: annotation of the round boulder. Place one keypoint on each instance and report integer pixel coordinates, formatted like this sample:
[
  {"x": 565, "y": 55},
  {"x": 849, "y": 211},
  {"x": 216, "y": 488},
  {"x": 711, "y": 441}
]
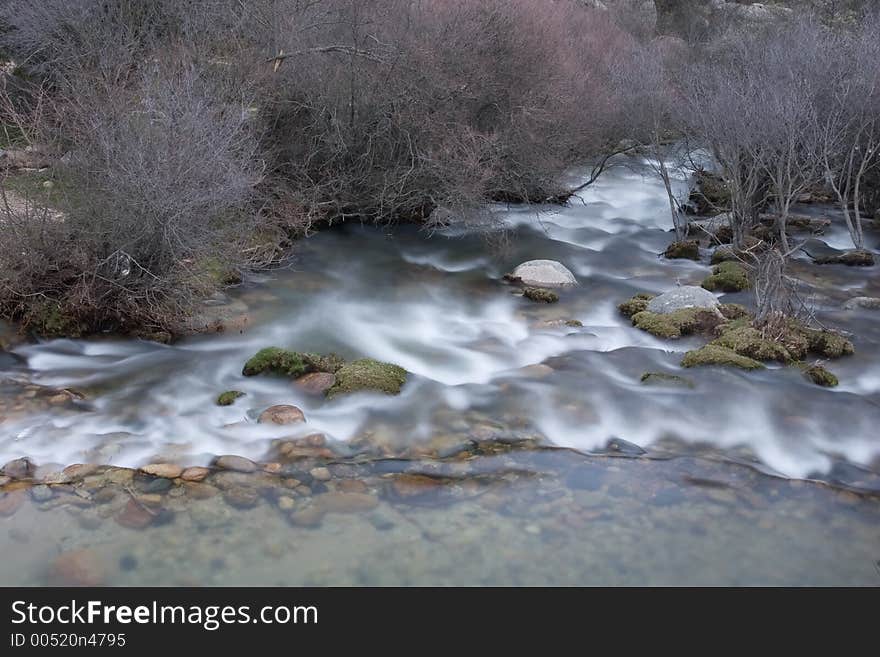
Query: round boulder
[
  {"x": 282, "y": 414},
  {"x": 543, "y": 273},
  {"x": 686, "y": 296}
]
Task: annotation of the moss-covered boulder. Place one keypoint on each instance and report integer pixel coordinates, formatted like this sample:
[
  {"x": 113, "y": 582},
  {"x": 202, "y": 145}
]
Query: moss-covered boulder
[
  {"x": 723, "y": 254},
  {"x": 540, "y": 294},
  {"x": 711, "y": 194},
  {"x": 228, "y": 398},
  {"x": 727, "y": 277},
  {"x": 283, "y": 362},
  {"x": 684, "y": 249},
  {"x": 665, "y": 379},
  {"x": 820, "y": 376},
  {"x": 856, "y": 258},
  {"x": 734, "y": 311},
  {"x": 713, "y": 354},
  {"x": 686, "y": 321},
  {"x": 828, "y": 343},
  {"x": 368, "y": 374},
  {"x": 635, "y": 304},
  {"x": 748, "y": 341}
]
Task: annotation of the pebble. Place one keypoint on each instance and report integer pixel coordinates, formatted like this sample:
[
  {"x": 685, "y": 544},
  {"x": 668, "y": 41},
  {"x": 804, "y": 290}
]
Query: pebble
[
  {"x": 321, "y": 474},
  {"x": 282, "y": 414},
  {"x": 41, "y": 493},
  {"x": 286, "y": 503},
  {"x": 150, "y": 484},
  {"x": 308, "y": 517},
  {"x": 200, "y": 491},
  {"x": 104, "y": 495},
  {"x": 241, "y": 497},
  {"x": 134, "y": 516},
  {"x": 351, "y": 486},
  {"x": 316, "y": 383},
  {"x": 406, "y": 486},
  {"x": 338, "y": 502},
  {"x": 76, "y": 568},
  {"x": 235, "y": 463},
  {"x": 10, "y": 501},
  {"x": 272, "y": 468},
  {"x": 195, "y": 474},
  {"x": 166, "y": 470}
]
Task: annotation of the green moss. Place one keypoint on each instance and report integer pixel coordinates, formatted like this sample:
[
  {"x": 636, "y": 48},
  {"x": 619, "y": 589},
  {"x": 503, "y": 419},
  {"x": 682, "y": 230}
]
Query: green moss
[
  {"x": 574, "y": 323},
  {"x": 663, "y": 378},
  {"x": 820, "y": 376},
  {"x": 734, "y": 311},
  {"x": 712, "y": 195},
  {"x": 686, "y": 249},
  {"x": 727, "y": 277},
  {"x": 748, "y": 341},
  {"x": 713, "y": 354},
  {"x": 228, "y": 398},
  {"x": 723, "y": 254},
  {"x": 540, "y": 294},
  {"x": 368, "y": 374},
  {"x": 676, "y": 324},
  {"x": 636, "y": 304},
  {"x": 51, "y": 321},
  {"x": 283, "y": 362},
  {"x": 828, "y": 344}
]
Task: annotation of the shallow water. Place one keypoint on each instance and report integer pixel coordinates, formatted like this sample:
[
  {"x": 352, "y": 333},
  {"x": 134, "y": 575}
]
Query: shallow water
[{"x": 438, "y": 307}]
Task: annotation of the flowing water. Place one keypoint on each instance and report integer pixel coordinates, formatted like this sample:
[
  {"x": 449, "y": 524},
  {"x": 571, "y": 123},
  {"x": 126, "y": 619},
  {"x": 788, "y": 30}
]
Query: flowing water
[{"x": 705, "y": 484}]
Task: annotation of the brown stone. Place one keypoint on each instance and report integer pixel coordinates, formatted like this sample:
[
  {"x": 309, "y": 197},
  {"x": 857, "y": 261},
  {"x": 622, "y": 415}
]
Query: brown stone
[
  {"x": 309, "y": 517},
  {"x": 242, "y": 497},
  {"x": 19, "y": 469},
  {"x": 236, "y": 463},
  {"x": 339, "y": 502},
  {"x": 272, "y": 468},
  {"x": 76, "y": 568},
  {"x": 10, "y": 501},
  {"x": 134, "y": 516},
  {"x": 407, "y": 486},
  {"x": 79, "y": 470},
  {"x": 165, "y": 470},
  {"x": 200, "y": 491},
  {"x": 195, "y": 474},
  {"x": 321, "y": 474},
  {"x": 282, "y": 414},
  {"x": 351, "y": 486},
  {"x": 316, "y": 383}
]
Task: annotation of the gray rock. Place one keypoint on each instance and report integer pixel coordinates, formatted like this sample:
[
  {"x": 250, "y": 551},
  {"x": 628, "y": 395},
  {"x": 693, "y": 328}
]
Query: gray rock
[
  {"x": 869, "y": 303},
  {"x": 686, "y": 296},
  {"x": 543, "y": 273},
  {"x": 41, "y": 493}
]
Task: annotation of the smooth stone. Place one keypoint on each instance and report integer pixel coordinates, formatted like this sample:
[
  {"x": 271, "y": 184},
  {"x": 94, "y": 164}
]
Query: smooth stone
[
  {"x": 407, "y": 486},
  {"x": 241, "y": 497},
  {"x": 80, "y": 470},
  {"x": 76, "y": 568},
  {"x": 282, "y": 414},
  {"x": 10, "y": 501},
  {"x": 134, "y": 516},
  {"x": 195, "y": 474},
  {"x": 316, "y": 383},
  {"x": 321, "y": 474},
  {"x": 235, "y": 463},
  {"x": 311, "y": 516},
  {"x": 543, "y": 273},
  {"x": 685, "y": 296},
  {"x": 286, "y": 503},
  {"x": 166, "y": 470},
  {"x": 339, "y": 502},
  {"x": 200, "y": 491},
  {"x": 19, "y": 469},
  {"x": 41, "y": 493}
]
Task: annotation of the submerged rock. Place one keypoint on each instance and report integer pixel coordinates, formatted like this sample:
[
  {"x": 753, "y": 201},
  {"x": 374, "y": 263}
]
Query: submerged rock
[
  {"x": 282, "y": 414},
  {"x": 235, "y": 463},
  {"x": 868, "y": 303},
  {"x": 368, "y": 374},
  {"x": 228, "y": 398},
  {"x": 727, "y": 277},
  {"x": 316, "y": 383},
  {"x": 683, "y": 250},
  {"x": 820, "y": 376},
  {"x": 855, "y": 258},
  {"x": 543, "y": 273},
  {"x": 540, "y": 294},
  {"x": 664, "y": 378},
  {"x": 713, "y": 354},
  {"x": 685, "y": 296}
]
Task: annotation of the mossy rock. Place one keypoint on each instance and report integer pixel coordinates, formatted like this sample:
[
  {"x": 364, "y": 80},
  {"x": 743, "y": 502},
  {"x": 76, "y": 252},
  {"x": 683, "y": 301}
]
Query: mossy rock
[
  {"x": 856, "y": 258},
  {"x": 368, "y": 374},
  {"x": 713, "y": 354},
  {"x": 575, "y": 323},
  {"x": 734, "y": 311},
  {"x": 686, "y": 321},
  {"x": 228, "y": 398},
  {"x": 636, "y": 304},
  {"x": 828, "y": 343},
  {"x": 283, "y": 362},
  {"x": 820, "y": 376},
  {"x": 723, "y": 254},
  {"x": 664, "y": 378},
  {"x": 727, "y": 277},
  {"x": 683, "y": 250},
  {"x": 540, "y": 294},
  {"x": 748, "y": 341},
  {"x": 711, "y": 195}
]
